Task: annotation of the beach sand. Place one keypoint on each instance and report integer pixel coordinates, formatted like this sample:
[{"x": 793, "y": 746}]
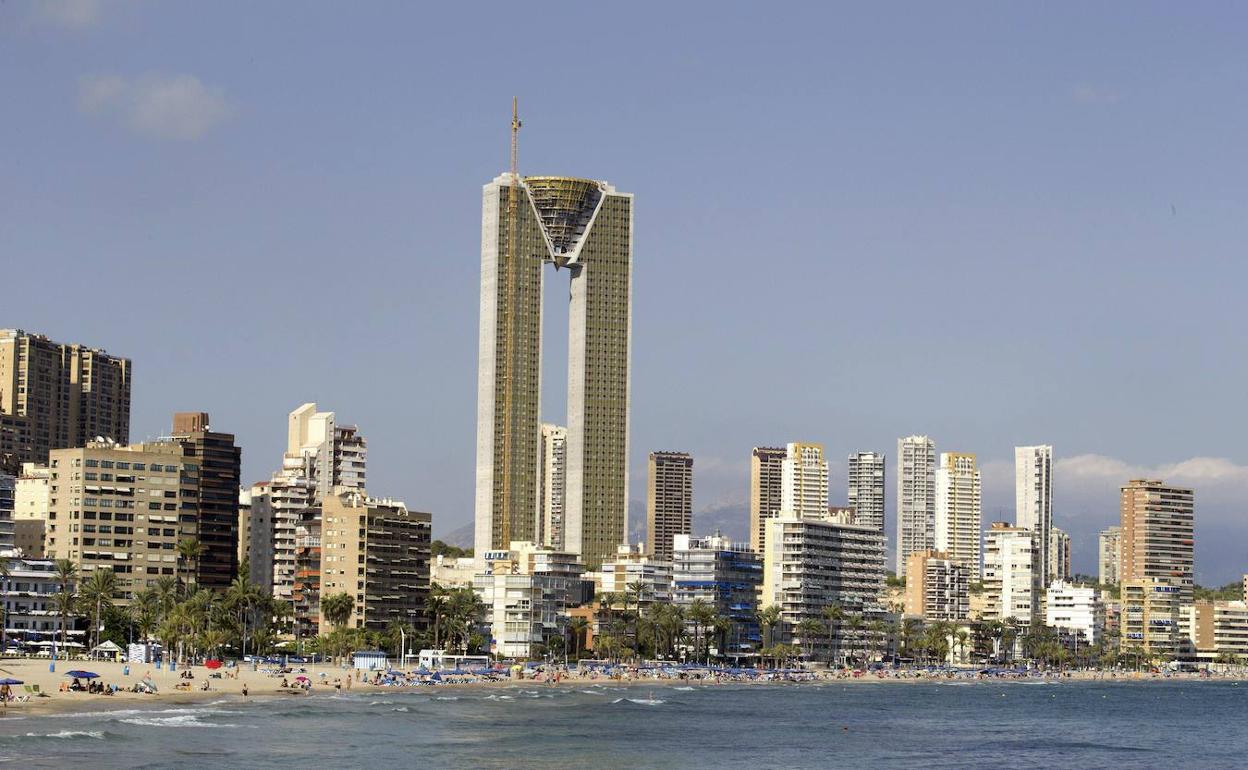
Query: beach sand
[{"x": 260, "y": 683}]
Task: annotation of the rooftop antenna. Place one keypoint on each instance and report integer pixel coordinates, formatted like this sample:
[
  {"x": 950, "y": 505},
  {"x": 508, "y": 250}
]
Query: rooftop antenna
[{"x": 512, "y": 267}]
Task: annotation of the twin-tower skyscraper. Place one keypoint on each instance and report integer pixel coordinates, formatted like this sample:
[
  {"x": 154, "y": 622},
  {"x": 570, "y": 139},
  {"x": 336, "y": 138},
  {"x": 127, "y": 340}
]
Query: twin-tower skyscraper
[{"x": 586, "y": 227}]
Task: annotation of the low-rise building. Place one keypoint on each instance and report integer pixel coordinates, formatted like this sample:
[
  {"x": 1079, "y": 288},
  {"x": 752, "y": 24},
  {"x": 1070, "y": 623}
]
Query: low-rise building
[
  {"x": 631, "y": 566},
  {"x": 937, "y": 586},
  {"x": 724, "y": 575},
  {"x": 453, "y": 571},
  {"x": 1076, "y": 609},
  {"x": 1219, "y": 629},
  {"x": 526, "y": 591},
  {"x": 29, "y": 598}
]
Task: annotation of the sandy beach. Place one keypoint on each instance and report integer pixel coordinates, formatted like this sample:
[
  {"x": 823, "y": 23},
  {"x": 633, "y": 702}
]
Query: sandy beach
[{"x": 329, "y": 679}]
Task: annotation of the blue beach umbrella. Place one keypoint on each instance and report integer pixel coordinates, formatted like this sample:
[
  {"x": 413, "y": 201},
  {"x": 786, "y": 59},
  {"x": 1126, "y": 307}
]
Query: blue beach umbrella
[
  {"x": 11, "y": 681},
  {"x": 82, "y": 674}
]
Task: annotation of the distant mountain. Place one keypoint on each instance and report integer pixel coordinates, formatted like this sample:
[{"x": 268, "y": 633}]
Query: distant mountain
[{"x": 461, "y": 537}]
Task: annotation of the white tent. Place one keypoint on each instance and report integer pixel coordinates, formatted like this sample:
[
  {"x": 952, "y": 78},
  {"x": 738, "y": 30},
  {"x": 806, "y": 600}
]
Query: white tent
[{"x": 106, "y": 650}]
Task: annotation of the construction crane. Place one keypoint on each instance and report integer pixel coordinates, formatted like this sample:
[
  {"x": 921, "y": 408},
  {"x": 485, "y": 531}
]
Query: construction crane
[{"x": 509, "y": 343}]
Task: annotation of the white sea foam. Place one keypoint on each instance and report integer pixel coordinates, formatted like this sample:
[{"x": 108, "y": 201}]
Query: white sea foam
[
  {"x": 682, "y": 688},
  {"x": 181, "y": 720},
  {"x": 69, "y": 734}
]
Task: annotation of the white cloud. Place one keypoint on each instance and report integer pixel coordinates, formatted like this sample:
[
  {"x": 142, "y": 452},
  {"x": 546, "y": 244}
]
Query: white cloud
[
  {"x": 177, "y": 107},
  {"x": 1091, "y": 94},
  {"x": 70, "y": 14}
]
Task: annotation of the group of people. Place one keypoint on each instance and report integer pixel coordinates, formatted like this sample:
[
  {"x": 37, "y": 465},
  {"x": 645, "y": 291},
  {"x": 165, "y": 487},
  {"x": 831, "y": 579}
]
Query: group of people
[{"x": 92, "y": 687}]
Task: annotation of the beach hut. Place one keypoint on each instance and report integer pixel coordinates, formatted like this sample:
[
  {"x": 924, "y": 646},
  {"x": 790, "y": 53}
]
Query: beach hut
[
  {"x": 369, "y": 660},
  {"x": 106, "y": 651}
]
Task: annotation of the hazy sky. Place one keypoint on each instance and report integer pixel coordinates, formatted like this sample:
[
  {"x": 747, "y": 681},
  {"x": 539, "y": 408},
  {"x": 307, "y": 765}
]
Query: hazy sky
[{"x": 993, "y": 224}]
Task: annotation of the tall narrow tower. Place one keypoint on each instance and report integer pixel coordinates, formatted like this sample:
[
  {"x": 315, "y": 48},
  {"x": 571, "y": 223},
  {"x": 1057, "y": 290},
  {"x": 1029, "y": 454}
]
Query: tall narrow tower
[{"x": 585, "y": 226}]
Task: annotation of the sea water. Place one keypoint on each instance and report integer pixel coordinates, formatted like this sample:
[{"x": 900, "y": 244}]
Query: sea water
[{"x": 1161, "y": 723}]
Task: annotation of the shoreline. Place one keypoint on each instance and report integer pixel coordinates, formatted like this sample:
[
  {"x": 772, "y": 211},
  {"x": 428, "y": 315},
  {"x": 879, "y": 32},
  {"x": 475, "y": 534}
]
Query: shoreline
[{"x": 261, "y": 685}]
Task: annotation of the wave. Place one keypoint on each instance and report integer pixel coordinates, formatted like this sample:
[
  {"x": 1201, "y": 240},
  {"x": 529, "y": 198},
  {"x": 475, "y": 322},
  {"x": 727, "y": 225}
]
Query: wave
[
  {"x": 687, "y": 689},
  {"x": 96, "y": 734},
  {"x": 181, "y": 720},
  {"x": 641, "y": 701}
]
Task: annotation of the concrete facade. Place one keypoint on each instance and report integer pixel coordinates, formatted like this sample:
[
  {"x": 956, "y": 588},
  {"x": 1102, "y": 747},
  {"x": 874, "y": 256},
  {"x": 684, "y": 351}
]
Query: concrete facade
[
  {"x": 866, "y": 488},
  {"x": 959, "y": 509},
  {"x": 669, "y": 501},
  {"x": 1012, "y": 574},
  {"x": 1033, "y": 498},
  {"x": 916, "y": 498},
  {"x": 766, "y": 485},
  {"x": 1158, "y": 522}
]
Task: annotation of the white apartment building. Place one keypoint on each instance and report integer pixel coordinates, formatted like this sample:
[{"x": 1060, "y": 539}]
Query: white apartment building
[
  {"x": 1075, "y": 609},
  {"x": 866, "y": 488},
  {"x": 811, "y": 563},
  {"x": 959, "y": 509},
  {"x": 725, "y": 575},
  {"x": 916, "y": 498},
  {"x": 330, "y": 455},
  {"x": 551, "y": 485},
  {"x": 526, "y": 590},
  {"x": 804, "y": 480},
  {"x": 1033, "y": 497},
  {"x": 632, "y": 565},
  {"x": 1011, "y": 574},
  {"x": 1218, "y": 628}
]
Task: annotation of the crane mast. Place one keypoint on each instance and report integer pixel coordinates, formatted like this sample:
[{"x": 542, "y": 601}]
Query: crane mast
[{"x": 509, "y": 341}]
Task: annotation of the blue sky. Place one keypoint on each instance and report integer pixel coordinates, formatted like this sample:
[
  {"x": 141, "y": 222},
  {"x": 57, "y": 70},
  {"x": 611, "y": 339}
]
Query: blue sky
[{"x": 992, "y": 224}]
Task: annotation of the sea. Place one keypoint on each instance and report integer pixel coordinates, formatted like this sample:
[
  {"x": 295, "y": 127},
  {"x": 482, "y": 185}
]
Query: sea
[{"x": 1014, "y": 724}]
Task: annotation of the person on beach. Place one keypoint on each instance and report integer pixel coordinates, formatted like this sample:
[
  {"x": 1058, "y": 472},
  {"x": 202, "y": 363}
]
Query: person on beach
[{"x": 244, "y": 689}]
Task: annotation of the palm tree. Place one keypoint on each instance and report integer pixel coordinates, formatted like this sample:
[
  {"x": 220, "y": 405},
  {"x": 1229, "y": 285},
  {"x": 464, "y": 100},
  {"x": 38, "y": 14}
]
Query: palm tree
[
  {"x": 189, "y": 550},
  {"x": 963, "y": 636},
  {"x": 66, "y": 575},
  {"x": 878, "y": 629},
  {"x": 701, "y": 615},
  {"x": 855, "y": 623},
  {"x": 832, "y": 616},
  {"x": 578, "y": 626},
  {"x": 436, "y": 608},
  {"x": 337, "y": 609},
  {"x": 637, "y": 589},
  {"x": 97, "y": 591},
  {"x": 768, "y": 619},
  {"x": 807, "y": 631}
]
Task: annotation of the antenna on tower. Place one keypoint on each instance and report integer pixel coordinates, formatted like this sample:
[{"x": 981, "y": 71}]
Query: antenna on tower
[{"x": 515, "y": 133}]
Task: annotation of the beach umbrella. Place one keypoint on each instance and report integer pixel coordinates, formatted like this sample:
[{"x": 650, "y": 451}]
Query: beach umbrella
[
  {"x": 301, "y": 679},
  {"x": 212, "y": 663},
  {"x": 11, "y": 681},
  {"x": 82, "y": 674}
]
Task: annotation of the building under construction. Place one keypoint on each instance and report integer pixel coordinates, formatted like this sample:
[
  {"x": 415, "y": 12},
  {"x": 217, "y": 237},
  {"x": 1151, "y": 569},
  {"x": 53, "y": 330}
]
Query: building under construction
[{"x": 584, "y": 226}]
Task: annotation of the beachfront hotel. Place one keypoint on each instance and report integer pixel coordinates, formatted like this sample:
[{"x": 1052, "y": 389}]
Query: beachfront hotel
[
  {"x": 814, "y": 562},
  {"x": 375, "y": 550},
  {"x": 1077, "y": 610},
  {"x": 586, "y": 227},
  {"x": 766, "y": 484},
  {"x": 1152, "y": 616},
  {"x": 526, "y": 590},
  {"x": 916, "y": 498},
  {"x": 724, "y": 575},
  {"x": 632, "y": 566}
]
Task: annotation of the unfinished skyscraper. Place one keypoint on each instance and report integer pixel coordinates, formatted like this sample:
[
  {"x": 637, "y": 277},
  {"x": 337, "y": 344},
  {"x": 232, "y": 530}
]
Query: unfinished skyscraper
[{"x": 584, "y": 226}]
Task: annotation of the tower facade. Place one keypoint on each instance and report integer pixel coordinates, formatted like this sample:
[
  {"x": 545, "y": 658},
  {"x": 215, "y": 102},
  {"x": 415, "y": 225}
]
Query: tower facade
[
  {"x": 866, "y": 488},
  {"x": 766, "y": 480},
  {"x": 959, "y": 514},
  {"x": 804, "y": 481},
  {"x": 669, "y": 501},
  {"x": 551, "y": 484},
  {"x": 916, "y": 497},
  {"x": 1033, "y": 498},
  {"x": 585, "y": 226}
]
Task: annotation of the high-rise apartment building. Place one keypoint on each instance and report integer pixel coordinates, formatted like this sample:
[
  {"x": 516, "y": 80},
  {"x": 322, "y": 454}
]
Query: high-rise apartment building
[
  {"x": 585, "y": 226},
  {"x": 1059, "y": 555},
  {"x": 376, "y": 551},
  {"x": 552, "y": 485},
  {"x": 937, "y": 587},
  {"x": 123, "y": 508},
  {"x": 219, "y": 468},
  {"x": 527, "y": 590},
  {"x": 1012, "y": 573},
  {"x": 810, "y": 563},
  {"x": 916, "y": 498},
  {"x": 1110, "y": 554},
  {"x": 1218, "y": 629},
  {"x": 669, "y": 501},
  {"x": 632, "y": 566},
  {"x": 1076, "y": 610},
  {"x": 959, "y": 509},
  {"x": 726, "y": 576},
  {"x": 55, "y": 395},
  {"x": 1033, "y": 497},
  {"x": 1157, "y": 533},
  {"x": 766, "y": 485},
  {"x": 275, "y": 513},
  {"x": 866, "y": 488},
  {"x": 333, "y": 456},
  {"x": 804, "y": 480},
  {"x": 31, "y": 498}
]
